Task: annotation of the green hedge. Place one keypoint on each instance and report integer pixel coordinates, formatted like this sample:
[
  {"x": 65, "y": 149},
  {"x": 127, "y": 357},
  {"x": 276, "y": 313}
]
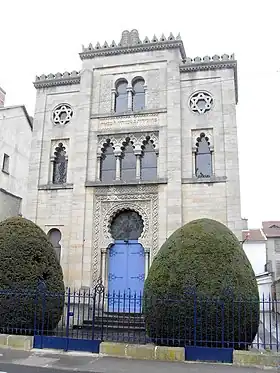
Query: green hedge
[
  {"x": 201, "y": 289},
  {"x": 31, "y": 281}
]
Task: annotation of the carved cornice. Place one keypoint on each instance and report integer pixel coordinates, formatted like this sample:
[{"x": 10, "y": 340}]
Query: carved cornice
[
  {"x": 148, "y": 47},
  {"x": 131, "y": 43},
  {"x": 212, "y": 63},
  {"x": 58, "y": 79}
]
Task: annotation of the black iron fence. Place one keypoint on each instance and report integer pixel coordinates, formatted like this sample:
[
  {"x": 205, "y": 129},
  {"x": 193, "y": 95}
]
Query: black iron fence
[{"x": 134, "y": 318}]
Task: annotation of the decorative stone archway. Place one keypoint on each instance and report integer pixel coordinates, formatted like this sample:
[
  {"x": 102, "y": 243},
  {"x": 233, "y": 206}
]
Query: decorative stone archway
[{"x": 108, "y": 202}]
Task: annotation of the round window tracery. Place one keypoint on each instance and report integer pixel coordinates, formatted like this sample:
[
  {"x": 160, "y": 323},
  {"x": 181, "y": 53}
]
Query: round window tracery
[
  {"x": 127, "y": 225},
  {"x": 62, "y": 114},
  {"x": 201, "y": 102}
]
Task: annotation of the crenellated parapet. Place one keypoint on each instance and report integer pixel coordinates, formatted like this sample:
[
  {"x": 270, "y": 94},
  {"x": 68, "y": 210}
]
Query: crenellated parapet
[
  {"x": 58, "y": 79},
  {"x": 216, "y": 62},
  {"x": 131, "y": 43}
]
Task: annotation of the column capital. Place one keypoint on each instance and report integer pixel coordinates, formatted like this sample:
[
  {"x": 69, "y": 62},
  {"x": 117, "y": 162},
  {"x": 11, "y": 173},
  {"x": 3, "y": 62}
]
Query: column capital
[
  {"x": 117, "y": 153},
  {"x": 104, "y": 250},
  {"x": 138, "y": 152}
]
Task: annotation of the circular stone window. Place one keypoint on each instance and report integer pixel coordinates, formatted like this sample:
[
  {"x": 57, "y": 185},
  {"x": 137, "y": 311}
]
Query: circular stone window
[
  {"x": 127, "y": 225},
  {"x": 62, "y": 114},
  {"x": 201, "y": 102}
]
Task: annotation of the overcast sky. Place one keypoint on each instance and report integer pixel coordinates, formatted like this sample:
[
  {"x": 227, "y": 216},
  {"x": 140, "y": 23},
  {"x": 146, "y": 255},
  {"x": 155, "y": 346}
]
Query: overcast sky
[{"x": 46, "y": 36}]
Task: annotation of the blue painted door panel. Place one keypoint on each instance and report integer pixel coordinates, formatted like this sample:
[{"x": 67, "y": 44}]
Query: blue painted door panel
[
  {"x": 135, "y": 275},
  {"x": 126, "y": 276}
]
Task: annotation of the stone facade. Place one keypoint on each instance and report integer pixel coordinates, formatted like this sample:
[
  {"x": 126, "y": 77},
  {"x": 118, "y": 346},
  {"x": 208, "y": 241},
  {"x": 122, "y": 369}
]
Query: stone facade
[
  {"x": 186, "y": 101},
  {"x": 15, "y": 144}
]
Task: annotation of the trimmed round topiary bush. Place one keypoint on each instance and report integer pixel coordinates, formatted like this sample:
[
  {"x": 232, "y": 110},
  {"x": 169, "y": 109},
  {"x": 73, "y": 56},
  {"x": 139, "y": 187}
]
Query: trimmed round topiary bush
[
  {"x": 31, "y": 279},
  {"x": 201, "y": 289}
]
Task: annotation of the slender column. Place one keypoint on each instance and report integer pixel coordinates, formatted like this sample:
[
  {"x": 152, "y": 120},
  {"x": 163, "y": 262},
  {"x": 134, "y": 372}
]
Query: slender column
[
  {"x": 147, "y": 257},
  {"x": 113, "y": 99},
  {"x": 146, "y": 100},
  {"x": 103, "y": 265},
  {"x": 129, "y": 98},
  {"x": 118, "y": 154},
  {"x": 98, "y": 168},
  {"x": 51, "y": 170},
  {"x": 156, "y": 150},
  {"x": 193, "y": 161},
  {"x": 138, "y": 153}
]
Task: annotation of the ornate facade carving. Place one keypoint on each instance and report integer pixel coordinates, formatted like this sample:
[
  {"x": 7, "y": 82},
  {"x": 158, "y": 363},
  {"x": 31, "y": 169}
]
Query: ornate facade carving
[
  {"x": 62, "y": 114},
  {"x": 137, "y": 139},
  {"x": 196, "y": 134},
  {"x": 108, "y": 202},
  {"x": 201, "y": 102},
  {"x": 55, "y": 143}
]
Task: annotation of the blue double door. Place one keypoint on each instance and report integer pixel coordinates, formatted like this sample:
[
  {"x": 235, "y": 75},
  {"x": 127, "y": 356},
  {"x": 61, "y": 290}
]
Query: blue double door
[{"x": 126, "y": 276}]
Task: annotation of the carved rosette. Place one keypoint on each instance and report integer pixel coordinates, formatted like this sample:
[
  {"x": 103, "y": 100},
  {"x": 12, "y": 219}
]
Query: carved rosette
[{"x": 111, "y": 200}]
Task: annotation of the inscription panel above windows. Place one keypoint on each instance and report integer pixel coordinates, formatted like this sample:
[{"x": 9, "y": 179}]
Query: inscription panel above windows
[{"x": 139, "y": 122}]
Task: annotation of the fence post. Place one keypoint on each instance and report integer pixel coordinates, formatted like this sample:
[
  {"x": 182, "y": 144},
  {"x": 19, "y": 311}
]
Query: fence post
[
  {"x": 223, "y": 323},
  {"x": 194, "y": 317},
  {"x": 42, "y": 289},
  {"x": 68, "y": 319}
]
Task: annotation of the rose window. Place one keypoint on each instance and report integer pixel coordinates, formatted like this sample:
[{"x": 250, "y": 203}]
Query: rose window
[
  {"x": 201, "y": 102},
  {"x": 62, "y": 114}
]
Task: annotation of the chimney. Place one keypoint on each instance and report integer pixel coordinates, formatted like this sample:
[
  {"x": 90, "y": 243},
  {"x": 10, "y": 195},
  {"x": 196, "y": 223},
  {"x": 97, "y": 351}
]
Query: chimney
[
  {"x": 244, "y": 224},
  {"x": 2, "y": 97}
]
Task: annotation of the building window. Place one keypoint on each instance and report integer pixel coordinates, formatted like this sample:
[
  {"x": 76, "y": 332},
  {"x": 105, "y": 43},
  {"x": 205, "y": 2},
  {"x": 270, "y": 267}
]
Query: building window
[
  {"x": 277, "y": 246},
  {"x": 277, "y": 264},
  {"x": 60, "y": 164},
  {"x": 108, "y": 164},
  {"x": 201, "y": 102},
  {"x": 203, "y": 157},
  {"x": 128, "y": 163},
  {"x": 138, "y": 98},
  {"x": 54, "y": 236},
  {"x": 62, "y": 114},
  {"x": 121, "y": 97},
  {"x": 6, "y": 163},
  {"x": 149, "y": 162},
  {"x": 127, "y": 225}
]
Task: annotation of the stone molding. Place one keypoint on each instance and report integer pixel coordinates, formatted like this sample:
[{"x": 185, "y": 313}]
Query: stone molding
[
  {"x": 207, "y": 180},
  {"x": 113, "y": 199},
  {"x": 100, "y": 184},
  {"x": 212, "y": 63},
  {"x": 55, "y": 186},
  {"x": 135, "y": 114},
  {"x": 58, "y": 79}
]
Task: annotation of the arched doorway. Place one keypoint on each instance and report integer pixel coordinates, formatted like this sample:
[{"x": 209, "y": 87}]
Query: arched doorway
[{"x": 126, "y": 267}]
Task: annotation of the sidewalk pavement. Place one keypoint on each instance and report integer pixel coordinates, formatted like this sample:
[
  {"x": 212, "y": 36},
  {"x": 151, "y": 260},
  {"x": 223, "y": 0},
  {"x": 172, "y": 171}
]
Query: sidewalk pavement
[{"x": 86, "y": 362}]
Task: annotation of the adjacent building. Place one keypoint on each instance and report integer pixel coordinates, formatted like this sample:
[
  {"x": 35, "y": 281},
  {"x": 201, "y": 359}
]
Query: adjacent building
[
  {"x": 271, "y": 230},
  {"x": 15, "y": 146},
  {"x": 254, "y": 245},
  {"x": 139, "y": 142}
]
